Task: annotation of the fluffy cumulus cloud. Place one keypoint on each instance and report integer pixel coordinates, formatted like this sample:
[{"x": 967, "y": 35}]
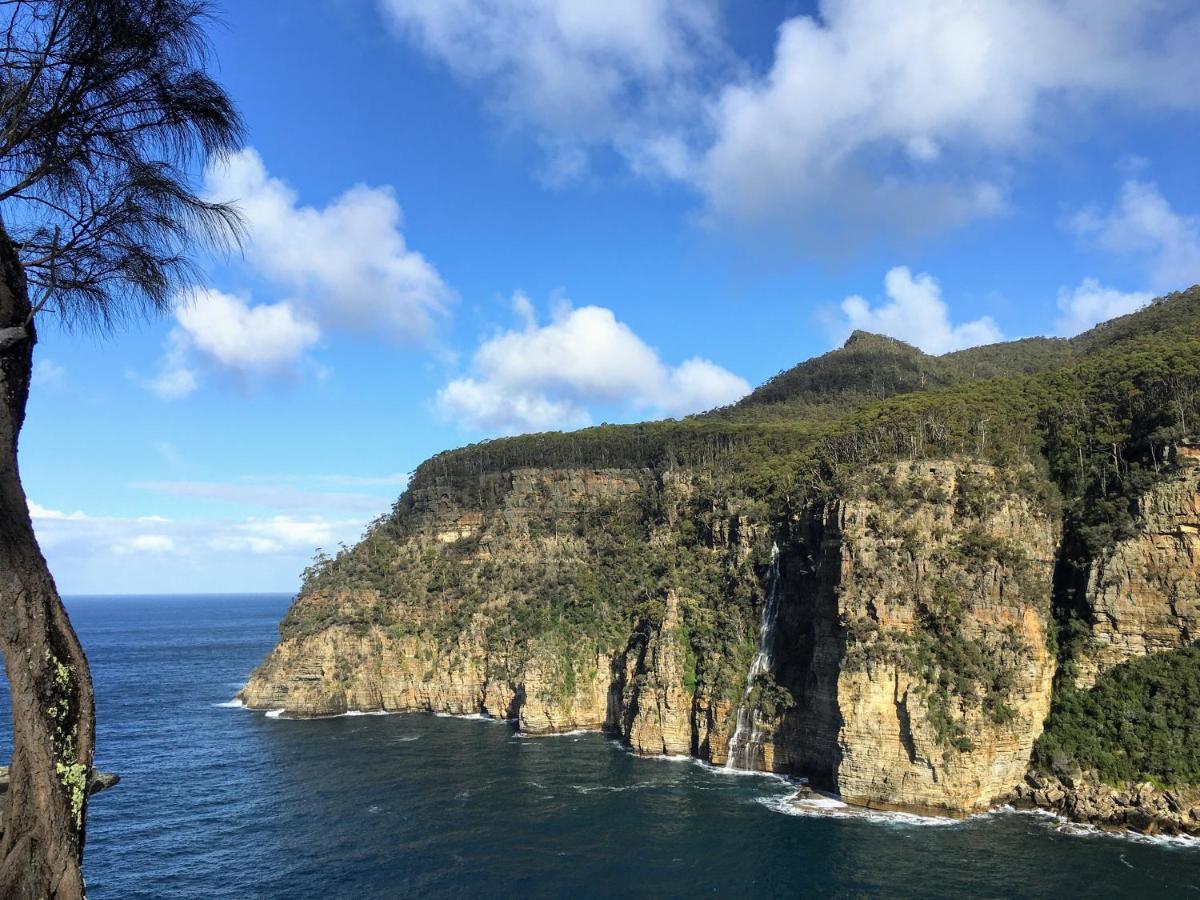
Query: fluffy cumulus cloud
[
  {"x": 215, "y": 328},
  {"x": 908, "y": 115},
  {"x": 869, "y": 115},
  {"x": 347, "y": 264},
  {"x": 916, "y": 313},
  {"x": 1090, "y": 303},
  {"x": 344, "y": 266},
  {"x": 548, "y": 376},
  {"x": 266, "y": 337},
  {"x": 1143, "y": 225},
  {"x": 581, "y": 73}
]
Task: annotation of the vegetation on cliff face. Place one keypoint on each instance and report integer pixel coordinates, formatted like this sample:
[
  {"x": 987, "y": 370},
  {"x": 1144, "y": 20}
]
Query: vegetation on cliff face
[
  {"x": 1140, "y": 722},
  {"x": 1076, "y": 431}
]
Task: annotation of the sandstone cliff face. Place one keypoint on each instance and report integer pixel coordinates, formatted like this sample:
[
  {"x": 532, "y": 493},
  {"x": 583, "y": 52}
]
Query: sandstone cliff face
[
  {"x": 1144, "y": 594},
  {"x": 925, "y": 675},
  {"x": 660, "y": 705},
  {"x": 352, "y": 648},
  {"x": 863, "y": 697}
]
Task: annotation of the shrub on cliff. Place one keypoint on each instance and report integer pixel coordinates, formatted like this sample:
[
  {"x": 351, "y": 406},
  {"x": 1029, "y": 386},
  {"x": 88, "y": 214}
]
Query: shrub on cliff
[{"x": 1140, "y": 722}]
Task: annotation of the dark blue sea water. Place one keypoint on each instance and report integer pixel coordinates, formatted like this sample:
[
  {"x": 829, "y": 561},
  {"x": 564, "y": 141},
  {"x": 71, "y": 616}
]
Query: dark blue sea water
[{"x": 220, "y": 802}]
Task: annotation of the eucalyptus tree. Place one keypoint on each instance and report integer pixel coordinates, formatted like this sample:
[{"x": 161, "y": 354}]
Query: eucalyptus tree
[{"x": 106, "y": 111}]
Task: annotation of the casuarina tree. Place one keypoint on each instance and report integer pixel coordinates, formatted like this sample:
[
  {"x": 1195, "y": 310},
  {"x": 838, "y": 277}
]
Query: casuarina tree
[{"x": 106, "y": 111}]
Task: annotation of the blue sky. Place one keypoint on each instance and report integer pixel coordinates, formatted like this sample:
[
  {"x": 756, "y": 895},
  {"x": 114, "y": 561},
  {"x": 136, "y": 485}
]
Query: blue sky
[{"x": 473, "y": 218}]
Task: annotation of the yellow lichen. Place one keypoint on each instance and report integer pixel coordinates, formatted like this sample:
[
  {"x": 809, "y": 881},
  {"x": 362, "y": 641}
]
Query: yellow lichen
[{"x": 74, "y": 778}]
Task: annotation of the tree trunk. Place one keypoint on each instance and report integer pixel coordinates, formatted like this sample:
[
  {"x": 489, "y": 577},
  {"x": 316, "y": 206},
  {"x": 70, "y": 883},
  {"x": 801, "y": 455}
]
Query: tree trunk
[{"x": 45, "y": 809}]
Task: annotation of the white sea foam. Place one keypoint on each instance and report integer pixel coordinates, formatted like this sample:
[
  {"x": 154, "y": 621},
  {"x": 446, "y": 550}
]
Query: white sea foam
[
  {"x": 362, "y": 712},
  {"x": 820, "y": 802},
  {"x": 275, "y": 713},
  {"x": 406, "y": 739},
  {"x": 612, "y": 788},
  {"x": 745, "y": 773},
  {"x": 577, "y": 731},
  {"x": 826, "y": 806},
  {"x": 470, "y": 717},
  {"x": 1083, "y": 830},
  {"x": 235, "y": 703}
]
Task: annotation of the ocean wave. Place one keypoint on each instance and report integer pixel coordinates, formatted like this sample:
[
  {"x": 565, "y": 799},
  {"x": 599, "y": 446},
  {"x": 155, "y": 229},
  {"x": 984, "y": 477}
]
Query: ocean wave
[
  {"x": 350, "y": 713},
  {"x": 825, "y": 805},
  {"x": 235, "y": 703},
  {"x": 745, "y": 773},
  {"x": 274, "y": 713},
  {"x": 406, "y": 739},
  {"x": 612, "y": 788},
  {"x": 575, "y": 732},
  {"x": 472, "y": 717},
  {"x": 822, "y": 805},
  {"x": 1062, "y": 825}
]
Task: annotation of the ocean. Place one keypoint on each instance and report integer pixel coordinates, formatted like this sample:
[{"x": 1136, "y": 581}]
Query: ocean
[{"x": 217, "y": 801}]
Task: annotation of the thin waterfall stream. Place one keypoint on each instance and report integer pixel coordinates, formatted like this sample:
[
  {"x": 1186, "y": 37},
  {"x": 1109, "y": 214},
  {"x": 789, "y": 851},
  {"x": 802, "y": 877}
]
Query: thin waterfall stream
[{"x": 745, "y": 745}]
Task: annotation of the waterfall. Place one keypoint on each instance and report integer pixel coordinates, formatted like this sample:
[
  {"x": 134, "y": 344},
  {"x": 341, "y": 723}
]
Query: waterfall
[{"x": 745, "y": 746}]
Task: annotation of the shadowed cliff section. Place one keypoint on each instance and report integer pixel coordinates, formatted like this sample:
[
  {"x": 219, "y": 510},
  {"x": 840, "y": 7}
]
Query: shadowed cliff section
[{"x": 615, "y": 577}]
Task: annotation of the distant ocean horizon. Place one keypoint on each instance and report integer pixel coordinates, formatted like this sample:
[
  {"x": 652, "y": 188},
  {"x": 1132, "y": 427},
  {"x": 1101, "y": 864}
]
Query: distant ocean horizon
[{"x": 217, "y": 801}]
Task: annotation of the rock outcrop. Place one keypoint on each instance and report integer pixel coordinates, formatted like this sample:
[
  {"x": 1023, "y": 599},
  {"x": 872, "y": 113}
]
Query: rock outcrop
[
  {"x": 1143, "y": 595},
  {"x": 937, "y": 594},
  {"x": 863, "y": 701},
  {"x": 659, "y": 703},
  {"x": 1085, "y": 799}
]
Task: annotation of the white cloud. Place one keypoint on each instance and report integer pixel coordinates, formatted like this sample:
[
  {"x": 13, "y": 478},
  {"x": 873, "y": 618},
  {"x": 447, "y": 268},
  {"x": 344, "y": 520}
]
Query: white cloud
[
  {"x": 48, "y": 375},
  {"x": 1142, "y": 224},
  {"x": 916, "y": 313},
  {"x": 144, "y": 553},
  {"x": 265, "y": 338},
  {"x": 144, "y": 543},
  {"x": 960, "y": 89},
  {"x": 348, "y": 263},
  {"x": 1090, "y": 303},
  {"x": 278, "y": 534},
  {"x": 345, "y": 266},
  {"x": 216, "y": 329},
  {"x": 79, "y": 532},
  {"x": 581, "y": 73},
  {"x": 871, "y": 115},
  {"x": 40, "y": 512},
  {"x": 547, "y": 376}
]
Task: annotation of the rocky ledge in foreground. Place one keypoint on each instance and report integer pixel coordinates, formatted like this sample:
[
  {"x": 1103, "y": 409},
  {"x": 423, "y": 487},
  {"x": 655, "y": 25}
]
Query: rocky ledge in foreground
[{"x": 1139, "y": 807}]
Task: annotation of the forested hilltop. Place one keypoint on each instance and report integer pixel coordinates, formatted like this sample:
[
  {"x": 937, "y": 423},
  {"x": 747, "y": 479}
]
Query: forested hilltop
[{"x": 979, "y": 537}]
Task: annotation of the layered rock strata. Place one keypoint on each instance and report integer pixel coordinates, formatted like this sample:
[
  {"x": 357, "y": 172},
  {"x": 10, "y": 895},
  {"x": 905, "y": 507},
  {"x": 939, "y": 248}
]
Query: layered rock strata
[
  {"x": 1143, "y": 595},
  {"x": 858, "y": 702}
]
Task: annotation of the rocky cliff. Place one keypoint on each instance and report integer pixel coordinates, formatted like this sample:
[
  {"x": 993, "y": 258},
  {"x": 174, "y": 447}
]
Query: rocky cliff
[
  {"x": 1143, "y": 594},
  {"x": 873, "y": 583},
  {"x": 881, "y": 571}
]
